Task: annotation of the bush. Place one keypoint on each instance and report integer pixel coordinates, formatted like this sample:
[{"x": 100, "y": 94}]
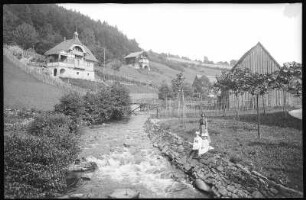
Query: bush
[
  {"x": 120, "y": 100},
  {"x": 34, "y": 161},
  {"x": 71, "y": 104},
  {"x": 57, "y": 127},
  {"x": 97, "y": 109},
  {"x": 108, "y": 104}
]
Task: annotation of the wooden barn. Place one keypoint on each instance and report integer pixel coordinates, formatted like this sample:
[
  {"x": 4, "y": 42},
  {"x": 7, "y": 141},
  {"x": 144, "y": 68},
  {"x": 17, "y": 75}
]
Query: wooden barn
[{"x": 259, "y": 60}]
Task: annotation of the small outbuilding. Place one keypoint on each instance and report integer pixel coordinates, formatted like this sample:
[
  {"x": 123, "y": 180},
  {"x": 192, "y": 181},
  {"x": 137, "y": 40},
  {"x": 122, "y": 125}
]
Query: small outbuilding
[{"x": 138, "y": 60}]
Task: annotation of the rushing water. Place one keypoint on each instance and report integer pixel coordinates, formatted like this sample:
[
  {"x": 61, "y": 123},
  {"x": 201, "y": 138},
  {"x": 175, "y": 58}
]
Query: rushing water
[{"x": 127, "y": 159}]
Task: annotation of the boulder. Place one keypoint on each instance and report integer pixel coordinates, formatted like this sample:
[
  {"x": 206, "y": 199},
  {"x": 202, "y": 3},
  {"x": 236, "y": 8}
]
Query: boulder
[
  {"x": 72, "y": 179},
  {"x": 222, "y": 191},
  {"x": 274, "y": 191},
  {"x": 86, "y": 176},
  {"x": 257, "y": 194},
  {"x": 77, "y": 196},
  {"x": 220, "y": 168},
  {"x": 83, "y": 166},
  {"x": 124, "y": 194},
  {"x": 201, "y": 185}
]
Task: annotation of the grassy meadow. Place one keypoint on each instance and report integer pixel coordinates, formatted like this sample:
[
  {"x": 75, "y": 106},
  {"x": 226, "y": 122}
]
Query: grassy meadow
[
  {"x": 22, "y": 90},
  {"x": 277, "y": 155}
]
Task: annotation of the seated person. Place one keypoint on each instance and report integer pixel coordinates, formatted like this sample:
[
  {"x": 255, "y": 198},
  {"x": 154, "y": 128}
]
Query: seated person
[
  {"x": 205, "y": 146},
  {"x": 197, "y": 142}
]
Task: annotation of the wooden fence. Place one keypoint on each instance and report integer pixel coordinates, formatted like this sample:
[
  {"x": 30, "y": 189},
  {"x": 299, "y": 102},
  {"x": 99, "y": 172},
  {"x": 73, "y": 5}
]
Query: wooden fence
[{"x": 193, "y": 109}]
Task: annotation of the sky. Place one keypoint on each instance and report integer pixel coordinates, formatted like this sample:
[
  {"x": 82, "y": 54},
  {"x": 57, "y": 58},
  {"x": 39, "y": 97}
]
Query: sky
[{"x": 219, "y": 31}]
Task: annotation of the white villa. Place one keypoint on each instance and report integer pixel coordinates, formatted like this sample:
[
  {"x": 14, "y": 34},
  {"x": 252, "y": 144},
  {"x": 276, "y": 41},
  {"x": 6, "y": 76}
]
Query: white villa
[{"x": 71, "y": 59}]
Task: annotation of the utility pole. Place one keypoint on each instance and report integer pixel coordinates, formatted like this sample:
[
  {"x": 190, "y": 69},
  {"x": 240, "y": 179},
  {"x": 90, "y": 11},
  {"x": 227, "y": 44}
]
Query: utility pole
[{"x": 104, "y": 56}]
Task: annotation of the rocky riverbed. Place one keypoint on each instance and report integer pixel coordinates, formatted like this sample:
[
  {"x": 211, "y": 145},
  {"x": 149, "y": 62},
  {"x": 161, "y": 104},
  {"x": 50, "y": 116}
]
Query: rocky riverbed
[{"x": 127, "y": 164}]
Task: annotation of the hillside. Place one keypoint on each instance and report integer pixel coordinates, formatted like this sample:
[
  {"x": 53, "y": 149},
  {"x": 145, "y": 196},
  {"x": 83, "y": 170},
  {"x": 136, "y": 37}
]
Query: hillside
[
  {"x": 23, "y": 90},
  {"x": 45, "y": 25},
  {"x": 161, "y": 72}
]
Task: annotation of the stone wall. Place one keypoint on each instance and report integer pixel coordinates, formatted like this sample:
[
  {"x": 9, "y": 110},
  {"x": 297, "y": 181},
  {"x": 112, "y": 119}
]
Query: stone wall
[{"x": 225, "y": 178}]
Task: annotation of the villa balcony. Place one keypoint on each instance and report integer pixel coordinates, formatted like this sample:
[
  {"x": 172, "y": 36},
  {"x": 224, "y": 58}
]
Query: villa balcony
[{"x": 70, "y": 65}]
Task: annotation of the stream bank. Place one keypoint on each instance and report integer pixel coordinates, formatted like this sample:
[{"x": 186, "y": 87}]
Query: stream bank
[
  {"x": 127, "y": 160},
  {"x": 225, "y": 179}
]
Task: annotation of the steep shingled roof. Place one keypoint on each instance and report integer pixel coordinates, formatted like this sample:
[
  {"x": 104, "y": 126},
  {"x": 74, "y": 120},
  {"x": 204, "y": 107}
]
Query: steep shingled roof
[
  {"x": 67, "y": 44},
  {"x": 250, "y": 51},
  {"x": 134, "y": 54}
]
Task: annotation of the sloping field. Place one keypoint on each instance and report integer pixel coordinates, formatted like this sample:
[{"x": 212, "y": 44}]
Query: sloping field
[
  {"x": 160, "y": 72},
  {"x": 23, "y": 90}
]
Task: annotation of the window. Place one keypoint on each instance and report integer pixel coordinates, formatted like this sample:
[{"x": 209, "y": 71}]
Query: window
[{"x": 77, "y": 73}]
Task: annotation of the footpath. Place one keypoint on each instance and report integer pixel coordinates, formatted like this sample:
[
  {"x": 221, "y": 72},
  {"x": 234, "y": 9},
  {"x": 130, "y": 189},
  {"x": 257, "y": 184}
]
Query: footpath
[{"x": 296, "y": 113}]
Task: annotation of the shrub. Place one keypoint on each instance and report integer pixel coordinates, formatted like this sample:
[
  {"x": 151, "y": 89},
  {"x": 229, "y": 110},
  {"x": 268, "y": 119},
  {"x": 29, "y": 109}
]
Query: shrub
[
  {"x": 57, "y": 127},
  {"x": 33, "y": 166},
  {"x": 120, "y": 100},
  {"x": 71, "y": 104},
  {"x": 34, "y": 161},
  {"x": 97, "y": 110}
]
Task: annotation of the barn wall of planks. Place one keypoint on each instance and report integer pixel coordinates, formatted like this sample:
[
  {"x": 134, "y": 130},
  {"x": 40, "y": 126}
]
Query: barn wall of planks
[{"x": 258, "y": 59}]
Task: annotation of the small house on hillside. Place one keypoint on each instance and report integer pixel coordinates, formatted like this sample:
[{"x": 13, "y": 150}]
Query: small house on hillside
[
  {"x": 139, "y": 60},
  {"x": 71, "y": 59},
  {"x": 259, "y": 60}
]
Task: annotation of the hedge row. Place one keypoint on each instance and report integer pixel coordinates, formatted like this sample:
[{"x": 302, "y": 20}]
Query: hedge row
[{"x": 111, "y": 103}]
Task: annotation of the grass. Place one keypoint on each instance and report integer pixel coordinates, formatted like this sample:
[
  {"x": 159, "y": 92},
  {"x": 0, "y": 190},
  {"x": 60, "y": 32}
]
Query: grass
[
  {"x": 274, "y": 119},
  {"x": 21, "y": 90},
  {"x": 277, "y": 155},
  {"x": 160, "y": 72},
  {"x": 85, "y": 84}
]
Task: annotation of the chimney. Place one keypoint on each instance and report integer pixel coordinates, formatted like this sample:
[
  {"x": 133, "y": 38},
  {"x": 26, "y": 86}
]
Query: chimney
[{"x": 75, "y": 35}]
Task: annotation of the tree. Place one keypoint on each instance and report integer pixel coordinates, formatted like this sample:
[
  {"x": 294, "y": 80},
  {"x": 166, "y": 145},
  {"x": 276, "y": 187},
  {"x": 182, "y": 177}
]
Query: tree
[
  {"x": 9, "y": 21},
  {"x": 257, "y": 84},
  {"x": 223, "y": 85},
  {"x": 238, "y": 84},
  {"x": 25, "y": 35},
  {"x": 87, "y": 37},
  {"x": 164, "y": 91},
  {"x": 233, "y": 62},
  {"x": 177, "y": 84},
  {"x": 295, "y": 84},
  {"x": 177, "y": 88},
  {"x": 201, "y": 85},
  {"x": 282, "y": 78}
]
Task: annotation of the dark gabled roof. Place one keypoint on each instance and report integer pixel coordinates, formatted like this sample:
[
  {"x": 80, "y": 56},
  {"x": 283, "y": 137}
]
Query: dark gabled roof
[
  {"x": 250, "y": 51},
  {"x": 67, "y": 44},
  {"x": 134, "y": 54}
]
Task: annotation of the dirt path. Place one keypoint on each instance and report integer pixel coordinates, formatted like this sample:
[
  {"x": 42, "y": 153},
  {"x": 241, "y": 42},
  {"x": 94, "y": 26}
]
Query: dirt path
[
  {"x": 127, "y": 159},
  {"x": 296, "y": 113}
]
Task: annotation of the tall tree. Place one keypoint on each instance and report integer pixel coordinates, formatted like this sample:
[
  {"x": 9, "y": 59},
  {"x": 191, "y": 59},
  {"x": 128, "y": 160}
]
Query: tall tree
[{"x": 25, "y": 35}]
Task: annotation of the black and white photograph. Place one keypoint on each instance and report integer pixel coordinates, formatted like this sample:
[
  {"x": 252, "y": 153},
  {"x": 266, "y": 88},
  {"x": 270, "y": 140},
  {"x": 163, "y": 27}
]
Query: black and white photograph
[{"x": 152, "y": 100}]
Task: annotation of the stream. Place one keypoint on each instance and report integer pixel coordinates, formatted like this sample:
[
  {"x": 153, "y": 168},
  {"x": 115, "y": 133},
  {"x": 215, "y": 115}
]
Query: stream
[{"x": 126, "y": 159}]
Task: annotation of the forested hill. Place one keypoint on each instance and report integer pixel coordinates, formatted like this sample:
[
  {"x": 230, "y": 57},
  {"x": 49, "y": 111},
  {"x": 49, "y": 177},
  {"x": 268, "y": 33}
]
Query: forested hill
[{"x": 43, "y": 26}]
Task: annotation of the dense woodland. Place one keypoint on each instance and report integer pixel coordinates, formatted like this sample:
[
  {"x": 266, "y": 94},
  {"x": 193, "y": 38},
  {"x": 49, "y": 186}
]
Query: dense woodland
[{"x": 42, "y": 26}]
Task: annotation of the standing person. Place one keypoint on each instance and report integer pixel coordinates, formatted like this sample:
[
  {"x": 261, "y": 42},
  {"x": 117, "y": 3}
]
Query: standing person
[
  {"x": 202, "y": 122},
  {"x": 204, "y": 127}
]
